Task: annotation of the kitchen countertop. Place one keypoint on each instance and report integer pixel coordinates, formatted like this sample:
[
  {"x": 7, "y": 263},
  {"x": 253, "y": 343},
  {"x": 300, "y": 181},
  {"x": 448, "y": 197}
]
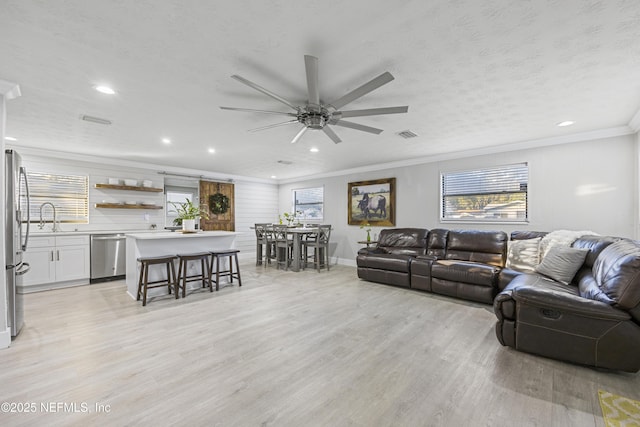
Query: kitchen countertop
[
  {"x": 180, "y": 235},
  {"x": 88, "y": 232}
]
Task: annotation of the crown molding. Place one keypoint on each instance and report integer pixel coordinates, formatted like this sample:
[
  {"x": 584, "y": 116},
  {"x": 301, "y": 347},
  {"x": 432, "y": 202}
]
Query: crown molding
[
  {"x": 39, "y": 152},
  {"x": 503, "y": 148}
]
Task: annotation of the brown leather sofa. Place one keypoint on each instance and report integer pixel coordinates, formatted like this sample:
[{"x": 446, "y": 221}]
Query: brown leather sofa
[
  {"x": 390, "y": 261},
  {"x": 595, "y": 320},
  {"x": 460, "y": 263}
]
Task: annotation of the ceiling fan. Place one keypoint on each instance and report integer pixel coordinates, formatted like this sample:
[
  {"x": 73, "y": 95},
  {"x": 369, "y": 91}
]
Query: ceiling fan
[{"x": 317, "y": 115}]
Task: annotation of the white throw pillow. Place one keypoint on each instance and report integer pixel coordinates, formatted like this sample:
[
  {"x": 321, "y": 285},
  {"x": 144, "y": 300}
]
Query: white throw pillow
[
  {"x": 560, "y": 238},
  {"x": 524, "y": 255}
]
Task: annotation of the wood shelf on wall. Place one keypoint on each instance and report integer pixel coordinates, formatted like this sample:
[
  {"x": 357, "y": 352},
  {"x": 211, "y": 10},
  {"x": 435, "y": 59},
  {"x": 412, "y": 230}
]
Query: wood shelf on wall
[
  {"x": 125, "y": 206},
  {"x": 129, "y": 187}
]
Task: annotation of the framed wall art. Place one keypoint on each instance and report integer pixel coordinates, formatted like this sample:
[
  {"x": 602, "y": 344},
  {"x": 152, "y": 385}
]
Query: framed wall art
[{"x": 372, "y": 202}]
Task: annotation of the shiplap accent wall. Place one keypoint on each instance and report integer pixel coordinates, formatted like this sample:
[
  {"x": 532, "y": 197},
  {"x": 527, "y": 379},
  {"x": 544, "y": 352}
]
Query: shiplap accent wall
[
  {"x": 101, "y": 219},
  {"x": 255, "y": 201}
]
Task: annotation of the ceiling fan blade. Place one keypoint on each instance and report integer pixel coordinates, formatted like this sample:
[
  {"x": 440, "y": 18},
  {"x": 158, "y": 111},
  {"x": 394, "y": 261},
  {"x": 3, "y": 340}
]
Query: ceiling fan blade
[
  {"x": 331, "y": 134},
  {"x": 250, "y": 110},
  {"x": 357, "y": 126},
  {"x": 299, "y": 135},
  {"x": 373, "y": 111},
  {"x": 273, "y": 125},
  {"x": 372, "y": 85},
  {"x": 263, "y": 90},
  {"x": 311, "y": 65}
]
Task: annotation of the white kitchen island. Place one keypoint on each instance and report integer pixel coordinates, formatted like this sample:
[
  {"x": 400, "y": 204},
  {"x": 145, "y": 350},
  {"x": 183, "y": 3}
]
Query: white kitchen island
[{"x": 169, "y": 243}]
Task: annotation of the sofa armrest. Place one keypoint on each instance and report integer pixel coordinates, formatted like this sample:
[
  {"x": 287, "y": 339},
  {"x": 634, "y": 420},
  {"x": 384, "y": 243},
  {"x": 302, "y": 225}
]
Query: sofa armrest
[
  {"x": 555, "y": 300},
  {"x": 371, "y": 251}
]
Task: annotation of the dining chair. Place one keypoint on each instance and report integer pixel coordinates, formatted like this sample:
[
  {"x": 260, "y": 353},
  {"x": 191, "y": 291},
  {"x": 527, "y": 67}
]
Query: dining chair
[
  {"x": 270, "y": 245},
  {"x": 318, "y": 241},
  {"x": 261, "y": 242},
  {"x": 283, "y": 245}
]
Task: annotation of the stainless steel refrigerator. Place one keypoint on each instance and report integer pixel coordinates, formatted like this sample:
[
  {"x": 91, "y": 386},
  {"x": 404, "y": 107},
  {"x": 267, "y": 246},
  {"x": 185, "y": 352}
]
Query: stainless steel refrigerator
[{"x": 17, "y": 220}]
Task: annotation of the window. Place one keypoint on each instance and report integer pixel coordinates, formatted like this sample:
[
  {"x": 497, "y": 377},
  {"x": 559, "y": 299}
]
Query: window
[
  {"x": 68, "y": 193},
  {"x": 494, "y": 194},
  {"x": 177, "y": 195},
  {"x": 308, "y": 203}
]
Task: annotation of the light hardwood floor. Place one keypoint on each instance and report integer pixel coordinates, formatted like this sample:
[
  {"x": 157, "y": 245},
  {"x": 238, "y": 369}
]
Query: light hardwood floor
[{"x": 286, "y": 349}]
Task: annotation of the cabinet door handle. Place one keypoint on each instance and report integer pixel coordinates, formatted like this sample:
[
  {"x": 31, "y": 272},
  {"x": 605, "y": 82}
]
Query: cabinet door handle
[
  {"x": 57, "y": 255},
  {"x": 52, "y": 256}
]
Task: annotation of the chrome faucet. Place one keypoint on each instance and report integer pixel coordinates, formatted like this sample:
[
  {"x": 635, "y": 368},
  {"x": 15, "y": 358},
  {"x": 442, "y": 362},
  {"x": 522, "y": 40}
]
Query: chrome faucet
[{"x": 55, "y": 223}]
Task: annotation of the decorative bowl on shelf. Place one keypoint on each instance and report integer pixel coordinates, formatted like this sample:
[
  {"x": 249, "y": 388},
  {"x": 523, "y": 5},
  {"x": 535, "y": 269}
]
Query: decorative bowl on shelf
[
  {"x": 129, "y": 202},
  {"x": 114, "y": 181},
  {"x": 131, "y": 182},
  {"x": 147, "y": 183}
]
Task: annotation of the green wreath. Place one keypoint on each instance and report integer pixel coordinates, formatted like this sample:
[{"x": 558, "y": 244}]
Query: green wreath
[{"x": 218, "y": 203}]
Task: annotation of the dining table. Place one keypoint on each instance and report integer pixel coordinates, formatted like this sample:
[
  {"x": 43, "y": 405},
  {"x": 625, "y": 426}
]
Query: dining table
[{"x": 298, "y": 233}]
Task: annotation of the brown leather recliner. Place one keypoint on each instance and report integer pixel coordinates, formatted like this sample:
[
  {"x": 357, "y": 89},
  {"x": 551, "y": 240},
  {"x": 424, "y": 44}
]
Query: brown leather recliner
[
  {"x": 390, "y": 261},
  {"x": 593, "y": 321},
  {"x": 461, "y": 263}
]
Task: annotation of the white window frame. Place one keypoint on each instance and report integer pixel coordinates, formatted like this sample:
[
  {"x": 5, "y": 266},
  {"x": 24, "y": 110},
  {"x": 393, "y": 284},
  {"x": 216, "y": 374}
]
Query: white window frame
[
  {"x": 295, "y": 205},
  {"x": 190, "y": 193},
  {"x": 481, "y": 186},
  {"x": 68, "y": 193}
]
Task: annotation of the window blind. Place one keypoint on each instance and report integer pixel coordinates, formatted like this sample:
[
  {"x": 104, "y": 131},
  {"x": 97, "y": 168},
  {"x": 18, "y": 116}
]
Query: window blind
[
  {"x": 492, "y": 194},
  {"x": 308, "y": 203},
  {"x": 68, "y": 193}
]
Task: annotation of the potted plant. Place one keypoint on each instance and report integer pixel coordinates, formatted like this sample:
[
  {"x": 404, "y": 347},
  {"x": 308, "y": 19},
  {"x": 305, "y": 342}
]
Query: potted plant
[
  {"x": 367, "y": 227},
  {"x": 187, "y": 215}
]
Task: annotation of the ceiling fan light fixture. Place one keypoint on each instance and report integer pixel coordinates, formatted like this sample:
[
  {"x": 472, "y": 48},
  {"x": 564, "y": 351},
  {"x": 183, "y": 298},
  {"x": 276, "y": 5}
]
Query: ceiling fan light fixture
[{"x": 317, "y": 115}]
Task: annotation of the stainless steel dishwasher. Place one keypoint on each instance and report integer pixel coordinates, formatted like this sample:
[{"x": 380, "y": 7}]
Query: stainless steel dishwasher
[{"x": 107, "y": 257}]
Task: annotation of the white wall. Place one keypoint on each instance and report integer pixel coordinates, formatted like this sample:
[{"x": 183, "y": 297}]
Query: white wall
[
  {"x": 100, "y": 218},
  {"x": 255, "y": 201},
  {"x": 587, "y": 185}
]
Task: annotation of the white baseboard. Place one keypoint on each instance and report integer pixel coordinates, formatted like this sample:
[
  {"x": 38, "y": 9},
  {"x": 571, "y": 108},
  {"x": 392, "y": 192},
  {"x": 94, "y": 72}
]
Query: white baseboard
[{"x": 5, "y": 339}]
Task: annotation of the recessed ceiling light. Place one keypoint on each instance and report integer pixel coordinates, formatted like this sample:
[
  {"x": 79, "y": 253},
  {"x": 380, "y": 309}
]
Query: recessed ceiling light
[
  {"x": 211, "y": 150},
  {"x": 105, "y": 89},
  {"x": 565, "y": 123},
  {"x": 273, "y": 177},
  {"x": 314, "y": 150},
  {"x": 10, "y": 138},
  {"x": 166, "y": 140}
]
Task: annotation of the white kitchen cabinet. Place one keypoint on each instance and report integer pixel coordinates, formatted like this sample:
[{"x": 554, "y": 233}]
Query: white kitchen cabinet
[{"x": 57, "y": 261}]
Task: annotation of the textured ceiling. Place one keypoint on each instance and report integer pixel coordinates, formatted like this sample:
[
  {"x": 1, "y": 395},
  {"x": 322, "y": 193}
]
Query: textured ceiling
[{"x": 475, "y": 74}]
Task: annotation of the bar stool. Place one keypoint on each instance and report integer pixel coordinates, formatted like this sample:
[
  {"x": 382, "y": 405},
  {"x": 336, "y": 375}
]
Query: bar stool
[
  {"x": 143, "y": 281},
  {"x": 231, "y": 253},
  {"x": 204, "y": 275}
]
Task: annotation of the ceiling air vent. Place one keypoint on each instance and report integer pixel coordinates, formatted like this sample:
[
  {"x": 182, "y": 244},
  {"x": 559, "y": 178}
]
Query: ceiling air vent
[
  {"x": 95, "y": 120},
  {"x": 406, "y": 134},
  {"x": 285, "y": 162}
]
